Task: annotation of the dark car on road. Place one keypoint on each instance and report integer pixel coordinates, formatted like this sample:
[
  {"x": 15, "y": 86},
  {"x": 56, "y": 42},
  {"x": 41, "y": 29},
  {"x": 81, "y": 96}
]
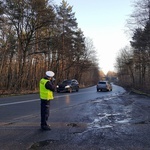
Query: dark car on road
[
  {"x": 68, "y": 86},
  {"x": 104, "y": 86}
]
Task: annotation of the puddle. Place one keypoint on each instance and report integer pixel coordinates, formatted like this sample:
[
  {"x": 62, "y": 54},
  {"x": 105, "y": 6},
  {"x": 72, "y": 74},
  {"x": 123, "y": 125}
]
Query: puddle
[
  {"x": 124, "y": 121},
  {"x": 100, "y": 99},
  {"x": 42, "y": 143},
  {"x": 108, "y": 115},
  {"x": 106, "y": 126},
  {"x": 72, "y": 124},
  {"x": 109, "y": 98},
  {"x": 97, "y": 124},
  {"x": 97, "y": 101},
  {"x": 142, "y": 122},
  {"x": 108, "y": 121}
]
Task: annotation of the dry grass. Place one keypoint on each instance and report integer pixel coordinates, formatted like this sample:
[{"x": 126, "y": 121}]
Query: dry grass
[{"x": 4, "y": 93}]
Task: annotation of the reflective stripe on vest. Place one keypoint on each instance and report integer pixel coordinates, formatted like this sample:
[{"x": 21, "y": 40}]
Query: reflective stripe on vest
[{"x": 45, "y": 94}]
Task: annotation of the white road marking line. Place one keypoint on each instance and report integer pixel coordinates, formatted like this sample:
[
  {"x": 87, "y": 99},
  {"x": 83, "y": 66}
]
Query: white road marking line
[{"x": 28, "y": 101}]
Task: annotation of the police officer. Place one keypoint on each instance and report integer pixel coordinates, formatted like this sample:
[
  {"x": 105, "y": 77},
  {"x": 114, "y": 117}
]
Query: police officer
[{"x": 46, "y": 94}]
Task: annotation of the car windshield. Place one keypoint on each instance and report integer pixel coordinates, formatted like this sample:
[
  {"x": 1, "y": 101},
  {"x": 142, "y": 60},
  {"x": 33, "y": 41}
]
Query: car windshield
[
  {"x": 66, "y": 82},
  {"x": 102, "y": 82}
]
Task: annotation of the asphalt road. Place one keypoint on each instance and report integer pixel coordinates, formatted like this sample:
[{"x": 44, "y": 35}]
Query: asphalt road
[
  {"x": 20, "y": 106},
  {"x": 80, "y": 120}
]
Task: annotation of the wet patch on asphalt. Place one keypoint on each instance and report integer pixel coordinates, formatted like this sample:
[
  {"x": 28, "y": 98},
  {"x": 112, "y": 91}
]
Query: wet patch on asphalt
[
  {"x": 73, "y": 124},
  {"x": 72, "y": 130},
  {"x": 115, "y": 111},
  {"x": 40, "y": 144},
  {"x": 142, "y": 122}
]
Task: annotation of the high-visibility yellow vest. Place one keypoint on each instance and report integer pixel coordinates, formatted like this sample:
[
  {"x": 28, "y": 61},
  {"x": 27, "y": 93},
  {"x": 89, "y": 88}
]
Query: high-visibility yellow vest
[{"x": 45, "y": 94}]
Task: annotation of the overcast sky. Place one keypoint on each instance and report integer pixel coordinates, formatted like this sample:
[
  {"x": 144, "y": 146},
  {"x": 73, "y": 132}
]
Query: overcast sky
[{"x": 103, "y": 21}]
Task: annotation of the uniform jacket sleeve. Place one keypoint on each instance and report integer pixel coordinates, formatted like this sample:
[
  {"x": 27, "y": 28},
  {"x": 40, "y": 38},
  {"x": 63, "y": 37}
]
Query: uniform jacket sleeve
[{"x": 49, "y": 85}]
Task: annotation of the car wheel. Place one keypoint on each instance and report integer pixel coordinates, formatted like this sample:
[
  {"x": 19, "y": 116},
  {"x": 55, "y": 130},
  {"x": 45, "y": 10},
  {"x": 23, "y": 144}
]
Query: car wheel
[{"x": 77, "y": 89}]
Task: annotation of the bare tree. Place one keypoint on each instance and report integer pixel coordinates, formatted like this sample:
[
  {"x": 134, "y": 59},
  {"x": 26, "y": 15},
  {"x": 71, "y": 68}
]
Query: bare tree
[
  {"x": 35, "y": 37},
  {"x": 125, "y": 67}
]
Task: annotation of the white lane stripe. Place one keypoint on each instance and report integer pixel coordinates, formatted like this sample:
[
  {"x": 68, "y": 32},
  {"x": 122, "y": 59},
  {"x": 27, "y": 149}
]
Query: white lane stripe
[
  {"x": 28, "y": 101},
  {"x": 13, "y": 103}
]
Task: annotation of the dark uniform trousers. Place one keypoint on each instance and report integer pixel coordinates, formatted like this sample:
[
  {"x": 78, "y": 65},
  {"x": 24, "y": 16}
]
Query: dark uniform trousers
[{"x": 45, "y": 106}]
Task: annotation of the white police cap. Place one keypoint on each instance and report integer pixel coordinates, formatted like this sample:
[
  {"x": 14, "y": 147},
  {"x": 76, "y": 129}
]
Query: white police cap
[{"x": 50, "y": 73}]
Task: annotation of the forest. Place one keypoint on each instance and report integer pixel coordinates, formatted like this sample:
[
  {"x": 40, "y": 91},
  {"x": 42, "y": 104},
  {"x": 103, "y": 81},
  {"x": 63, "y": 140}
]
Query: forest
[
  {"x": 133, "y": 62},
  {"x": 36, "y": 36}
]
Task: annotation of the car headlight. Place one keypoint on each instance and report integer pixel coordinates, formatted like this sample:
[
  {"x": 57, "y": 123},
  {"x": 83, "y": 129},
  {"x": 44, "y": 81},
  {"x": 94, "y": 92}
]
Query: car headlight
[
  {"x": 57, "y": 86},
  {"x": 68, "y": 86}
]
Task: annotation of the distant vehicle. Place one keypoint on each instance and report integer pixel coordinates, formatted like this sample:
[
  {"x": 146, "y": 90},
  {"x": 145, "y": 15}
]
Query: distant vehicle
[
  {"x": 68, "y": 86},
  {"x": 104, "y": 86}
]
